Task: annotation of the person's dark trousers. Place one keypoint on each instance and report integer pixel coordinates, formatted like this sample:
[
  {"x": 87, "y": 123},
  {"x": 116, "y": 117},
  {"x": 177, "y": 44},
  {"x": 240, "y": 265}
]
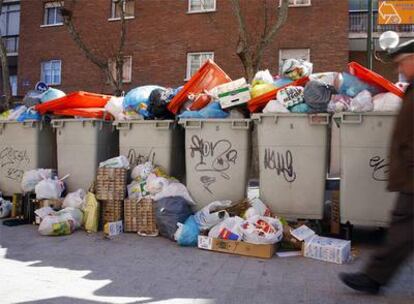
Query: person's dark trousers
[{"x": 399, "y": 244}]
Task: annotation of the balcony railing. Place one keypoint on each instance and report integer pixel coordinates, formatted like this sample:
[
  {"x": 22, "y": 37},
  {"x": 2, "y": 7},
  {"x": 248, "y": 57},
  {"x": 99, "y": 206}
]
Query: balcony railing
[
  {"x": 12, "y": 44},
  {"x": 358, "y": 23}
]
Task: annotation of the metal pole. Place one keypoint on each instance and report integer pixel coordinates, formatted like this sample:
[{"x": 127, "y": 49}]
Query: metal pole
[{"x": 369, "y": 34}]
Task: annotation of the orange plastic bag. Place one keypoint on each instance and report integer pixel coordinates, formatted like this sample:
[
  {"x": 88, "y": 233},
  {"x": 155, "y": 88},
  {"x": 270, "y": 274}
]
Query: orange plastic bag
[
  {"x": 74, "y": 100},
  {"x": 98, "y": 113},
  {"x": 373, "y": 78},
  {"x": 207, "y": 77},
  {"x": 258, "y": 103}
]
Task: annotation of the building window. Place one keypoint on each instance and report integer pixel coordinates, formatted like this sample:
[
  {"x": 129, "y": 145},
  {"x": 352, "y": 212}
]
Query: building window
[
  {"x": 13, "y": 84},
  {"x": 10, "y": 27},
  {"x": 296, "y": 3},
  {"x": 195, "y": 61},
  {"x": 285, "y": 54},
  {"x": 129, "y": 8},
  {"x": 52, "y": 13},
  {"x": 126, "y": 71},
  {"x": 51, "y": 72},
  {"x": 201, "y": 6}
]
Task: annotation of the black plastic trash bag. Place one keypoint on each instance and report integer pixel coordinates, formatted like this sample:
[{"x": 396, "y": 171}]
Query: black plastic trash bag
[
  {"x": 158, "y": 102},
  {"x": 170, "y": 211}
]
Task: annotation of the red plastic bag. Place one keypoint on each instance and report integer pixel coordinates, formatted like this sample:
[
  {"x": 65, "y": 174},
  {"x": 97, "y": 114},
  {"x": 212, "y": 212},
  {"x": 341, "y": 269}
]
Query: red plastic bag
[
  {"x": 373, "y": 78},
  {"x": 207, "y": 77},
  {"x": 74, "y": 100},
  {"x": 258, "y": 103}
]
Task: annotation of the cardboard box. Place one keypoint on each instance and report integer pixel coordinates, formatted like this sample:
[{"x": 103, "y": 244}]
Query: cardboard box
[
  {"x": 113, "y": 228},
  {"x": 236, "y": 247},
  {"x": 234, "y": 98},
  {"x": 327, "y": 249},
  {"x": 232, "y": 93}
]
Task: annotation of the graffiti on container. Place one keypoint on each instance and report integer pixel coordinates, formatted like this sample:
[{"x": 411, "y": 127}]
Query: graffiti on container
[
  {"x": 207, "y": 181},
  {"x": 380, "y": 168},
  {"x": 12, "y": 163},
  {"x": 215, "y": 157},
  {"x": 138, "y": 158},
  {"x": 281, "y": 163}
]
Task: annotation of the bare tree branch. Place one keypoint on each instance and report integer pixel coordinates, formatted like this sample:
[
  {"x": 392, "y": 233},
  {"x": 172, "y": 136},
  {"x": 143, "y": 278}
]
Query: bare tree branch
[
  {"x": 251, "y": 59},
  {"x": 5, "y": 71},
  {"x": 105, "y": 65}
]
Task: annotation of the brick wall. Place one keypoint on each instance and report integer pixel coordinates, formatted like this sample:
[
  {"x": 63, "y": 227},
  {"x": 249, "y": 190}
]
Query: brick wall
[{"x": 162, "y": 33}]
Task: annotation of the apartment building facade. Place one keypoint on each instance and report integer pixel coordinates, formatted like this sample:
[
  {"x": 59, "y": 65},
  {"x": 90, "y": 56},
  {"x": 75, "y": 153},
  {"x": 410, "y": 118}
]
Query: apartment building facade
[{"x": 167, "y": 40}]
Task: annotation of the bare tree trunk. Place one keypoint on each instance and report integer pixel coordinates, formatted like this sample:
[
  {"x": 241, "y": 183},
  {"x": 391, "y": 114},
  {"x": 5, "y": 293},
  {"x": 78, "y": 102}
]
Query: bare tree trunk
[
  {"x": 104, "y": 65},
  {"x": 250, "y": 56},
  {"x": 5, "y": 72}
]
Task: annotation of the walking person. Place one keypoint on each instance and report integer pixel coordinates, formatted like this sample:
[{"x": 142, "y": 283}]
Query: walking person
[{"x": 384, "y": 264}]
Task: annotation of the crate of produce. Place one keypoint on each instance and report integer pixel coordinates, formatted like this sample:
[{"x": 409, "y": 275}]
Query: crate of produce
[
  {"x": 139, "y": 216},
  {"x": 111, "y": 184},
  {"x": 111, "y": 211}
]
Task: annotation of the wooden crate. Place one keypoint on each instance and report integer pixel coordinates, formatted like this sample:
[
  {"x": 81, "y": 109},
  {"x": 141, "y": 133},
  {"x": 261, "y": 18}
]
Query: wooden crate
[
  {"x": 111, "y": 184},
  {"x": 130, "y": 215},
  {"x": 139, "y": 216},
  {"x": 111, "y": 211}
]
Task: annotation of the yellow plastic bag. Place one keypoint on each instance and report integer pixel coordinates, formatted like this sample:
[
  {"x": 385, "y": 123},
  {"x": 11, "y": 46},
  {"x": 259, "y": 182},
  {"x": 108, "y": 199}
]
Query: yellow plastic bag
[
  {"x": 91, "y": 213},
  {"x": 260, "y": 89}
]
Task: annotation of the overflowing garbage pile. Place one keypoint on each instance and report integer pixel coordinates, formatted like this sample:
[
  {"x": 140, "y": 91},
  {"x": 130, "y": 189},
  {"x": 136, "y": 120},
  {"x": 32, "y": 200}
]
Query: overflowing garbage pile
[
  {"x": 211, "y": 93},
  {"x": 153, "y": 203}
]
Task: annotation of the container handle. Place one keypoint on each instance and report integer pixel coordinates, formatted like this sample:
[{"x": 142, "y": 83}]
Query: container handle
[
  {"x": 351, "y": 118},
  {"x": 240, "y": 124},
  {"x": 121, "y": 125},
  {"x": 162, "y": 125},
  {"x": 315, "y": 119},
  {"x": 193, "y": 124},
  {"x": 56, "y": 124}
]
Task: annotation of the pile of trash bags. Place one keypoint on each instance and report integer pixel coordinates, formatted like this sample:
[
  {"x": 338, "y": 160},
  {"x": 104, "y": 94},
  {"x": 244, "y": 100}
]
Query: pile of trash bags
[
  {"x": 211, "y": 93},
  {"x": 252, "y": 224}
]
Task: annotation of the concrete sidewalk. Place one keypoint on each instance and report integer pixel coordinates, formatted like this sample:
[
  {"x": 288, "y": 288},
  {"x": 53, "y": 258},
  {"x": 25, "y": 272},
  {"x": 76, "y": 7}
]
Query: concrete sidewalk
[{"x": 83, "y": 268}]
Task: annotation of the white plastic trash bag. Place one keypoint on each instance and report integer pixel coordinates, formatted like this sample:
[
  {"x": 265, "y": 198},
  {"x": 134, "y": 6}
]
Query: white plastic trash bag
[
  {"x": 174, "y": 189},
  {"x": 49, "y": 189},
  {"x": 262, "y": 230},
  {"x": 142, "y": 171},
  {"x": 75, "y": 199},
  {"x": 5, "y": 208},
  {"x": 257, "y": 208},
  {"x": 156, "y": 184},
  {"x": 362, "y": 102},
  {"x": 114, "y": 107},
  {"x": 33, "y": 177},
  {"x": 387, "y": 102},
  {"x": 116, "y": 162},
  {"x": 263, "y": 77},
  {"x": 44, "y": 211},
  {"x": 63, "y": 222},
  {"x": 296, "y": 69},
  {"x": 290, "y": 96},
  {"x": 274, "y": 106},
  {"x": 229, "y": 229},
  {"x": 212, "y": 214}
]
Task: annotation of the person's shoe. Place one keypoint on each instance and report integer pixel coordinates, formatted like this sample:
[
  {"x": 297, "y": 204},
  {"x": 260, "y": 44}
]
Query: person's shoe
[{"x": 360, "y": 282}]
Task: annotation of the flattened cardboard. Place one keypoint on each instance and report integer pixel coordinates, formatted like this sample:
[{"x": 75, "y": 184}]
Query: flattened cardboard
[{"x": 236, "y": 247}]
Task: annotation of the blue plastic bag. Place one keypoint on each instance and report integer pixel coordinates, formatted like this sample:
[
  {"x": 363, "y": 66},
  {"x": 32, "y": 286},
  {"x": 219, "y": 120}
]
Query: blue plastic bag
[
  {"x": 352, "y": 86},
  {"x": 137, "y": 99},
  {"x": 188, "y": 233},
  {"x": 278, "y": 83},
  {"x": 29, "y": 115},
  {"x": 300, "y": 108},
  {"x": 213, "y": 110},
  {"x": 51, "y": 94}
]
